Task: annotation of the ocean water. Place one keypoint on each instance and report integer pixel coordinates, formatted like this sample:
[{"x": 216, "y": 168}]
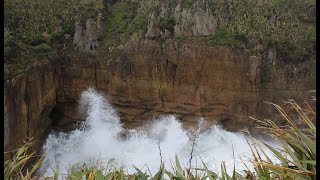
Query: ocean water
[{"x": 100, "y": 140}]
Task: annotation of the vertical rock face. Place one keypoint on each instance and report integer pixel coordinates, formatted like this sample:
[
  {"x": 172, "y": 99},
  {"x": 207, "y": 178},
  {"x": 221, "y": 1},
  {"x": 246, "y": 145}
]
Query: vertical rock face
[
  {"x": 152, "y": 79},
  {"x": 196, "y": 20},
  {"x": 187, "y": 80},
  {"x": 153, "y": 29},
  {"x": 252, "y": 68},
  {"x": 86, "y": 38},
  {"x": 28, "y": 99},
  {"x": 194, "y": 23}
]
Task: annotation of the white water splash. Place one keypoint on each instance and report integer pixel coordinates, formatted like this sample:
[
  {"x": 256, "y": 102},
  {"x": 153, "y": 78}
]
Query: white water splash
[{"x": 100, "y": 140}]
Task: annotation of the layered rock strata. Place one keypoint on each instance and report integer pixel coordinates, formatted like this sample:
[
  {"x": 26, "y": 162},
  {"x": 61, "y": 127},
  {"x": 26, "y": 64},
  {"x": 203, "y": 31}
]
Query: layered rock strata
[{"x": 150, "y": 79}]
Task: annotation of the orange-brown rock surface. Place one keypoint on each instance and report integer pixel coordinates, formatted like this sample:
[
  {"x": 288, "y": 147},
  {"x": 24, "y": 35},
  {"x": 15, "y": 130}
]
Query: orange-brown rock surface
[
  {"x": 28, "y": 100},
  {"x": 191, "y": 81},
  {"x": 149, "y": 79}
]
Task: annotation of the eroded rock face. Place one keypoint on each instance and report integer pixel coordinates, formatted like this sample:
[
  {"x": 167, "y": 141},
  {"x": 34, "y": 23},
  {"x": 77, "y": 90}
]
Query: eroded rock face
[
  {"x": 187, "y": 80},
  {"x": 194, "y": 23},
  {"x": 153, "y": 29},
  {"x": 151, "y": 79},
  {"x": 148, "y": 79},
  {"x": 196, "y": 20},
  {"x": 28, "y": 99},
  {"x": 86, "y": 38}
]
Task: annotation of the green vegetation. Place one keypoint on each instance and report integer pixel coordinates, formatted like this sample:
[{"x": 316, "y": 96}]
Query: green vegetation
[
  {"x": 288, "y": 51},
  {"x": 31, "y": 21},
  {"x": 139, "y": 23},
  {"x": 35, "y": 30},
  {"x": 223, "y": 37},
  {"x": 15, "y": 168},
  {"x": 298, "y": 160},
  {"x": 298, "y": 157},
  {"x": 186, "y": 4},
  {"x": 168, "y": 22},
  {"x": 182, "y": 37},
  {"x": 286, "y": 25},
  {"x": 9, "y": 45},
  {"x": 125, "y": 18},
  {"x": 150, "y": 5},
  {"x": 120, "y": 15},
  {"x": 265, "y": 74},
  {"x": 38, "y": 30}
]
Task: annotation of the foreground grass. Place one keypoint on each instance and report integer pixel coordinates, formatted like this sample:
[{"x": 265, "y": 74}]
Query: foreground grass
[{"x": 298, "y": 157}]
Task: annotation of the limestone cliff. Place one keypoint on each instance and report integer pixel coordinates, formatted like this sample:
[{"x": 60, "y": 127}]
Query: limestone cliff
[
  {"x": 188, "y": 80},
  {"x": 28, "y": 100},
  {"x": 195, "y": 20},
  {"x": 154, "y": 76},
  {"x": 152, "y": 79}
]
